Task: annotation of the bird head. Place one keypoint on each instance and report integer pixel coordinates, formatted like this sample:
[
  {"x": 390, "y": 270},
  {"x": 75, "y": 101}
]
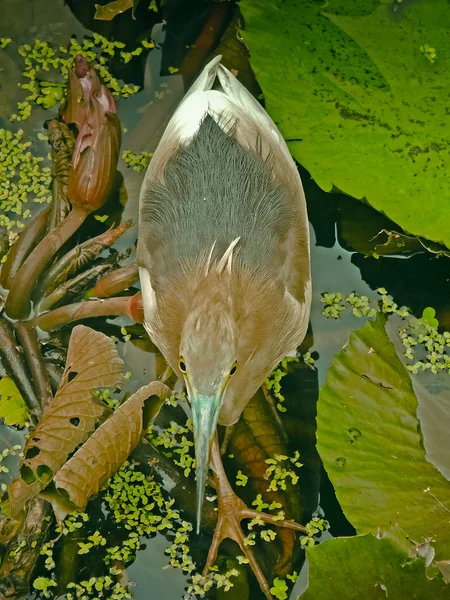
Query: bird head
[{"x": 207, "y": 361}]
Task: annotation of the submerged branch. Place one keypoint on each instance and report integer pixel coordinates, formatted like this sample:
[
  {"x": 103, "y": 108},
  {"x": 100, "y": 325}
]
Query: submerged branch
[{"x": 17, "y": 566}]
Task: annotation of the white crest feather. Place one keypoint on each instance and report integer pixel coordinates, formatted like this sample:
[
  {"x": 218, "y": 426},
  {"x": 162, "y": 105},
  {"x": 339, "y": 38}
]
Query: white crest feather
[
  {"x": 208, "y": 262},
  {"x": 227, "y": 257}
]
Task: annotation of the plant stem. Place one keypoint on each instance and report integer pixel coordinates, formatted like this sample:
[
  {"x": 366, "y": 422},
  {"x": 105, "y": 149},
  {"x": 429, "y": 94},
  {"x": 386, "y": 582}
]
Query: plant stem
[
  {"x": 18, "y": 302},
  {"x": 28, "y": 339},
  {"x": 28, "y": 239},
  {"x": 14, "y": 365},
  {"x": 111, "y": 307}
]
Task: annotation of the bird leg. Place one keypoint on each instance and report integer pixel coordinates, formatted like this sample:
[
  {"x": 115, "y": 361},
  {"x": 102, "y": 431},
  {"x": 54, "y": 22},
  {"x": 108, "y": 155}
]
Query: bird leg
[
  {"x": 231, "y": 511},
  {"x": 229, "y": 430}
]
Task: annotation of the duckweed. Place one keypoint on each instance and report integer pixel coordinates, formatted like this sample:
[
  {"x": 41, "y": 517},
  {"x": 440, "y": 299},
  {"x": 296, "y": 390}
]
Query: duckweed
[
  {"x": 279, "y": 474},
  {"x": 279, "y": 589},
  {"x": 315, "y": 526},
  {"x": 179, "y": 440},
  {"x": 273, "y": 384},
  {"x": 97, "y": 587},
  {"x": 137, "y": 162},
  {"x": 425, "y": 347},
  {"x": 43, "y": 584},
  {"x": 428, "y": 52},
  {"x": 42, "y": 58},
  {"x": 241, "y": 479},
  {"x": 24, "y": 178}
]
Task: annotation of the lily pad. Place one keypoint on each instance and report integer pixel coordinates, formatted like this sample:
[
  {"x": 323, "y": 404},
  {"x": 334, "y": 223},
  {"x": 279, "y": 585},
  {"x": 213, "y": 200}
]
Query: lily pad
[
  {"x": 362, "y": 99},
  {"x": 13, "y": 409},
  {"x": 369, "y": 439},
  {"x": 432, "y": 391},
  {"x": 367, "y": 567}
]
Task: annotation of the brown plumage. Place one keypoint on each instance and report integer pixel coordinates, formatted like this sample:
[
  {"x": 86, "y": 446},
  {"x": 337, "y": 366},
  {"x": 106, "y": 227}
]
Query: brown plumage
[{"x": 223, "y": 250}]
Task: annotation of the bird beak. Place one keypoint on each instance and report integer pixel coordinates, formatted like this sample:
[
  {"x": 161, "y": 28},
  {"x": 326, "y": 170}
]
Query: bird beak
[{"x": 205, "y": 411}]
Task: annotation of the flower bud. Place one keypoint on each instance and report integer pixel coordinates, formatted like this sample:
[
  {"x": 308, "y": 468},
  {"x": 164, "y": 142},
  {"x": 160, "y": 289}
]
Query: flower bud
[{"x": 90, "y": 182}]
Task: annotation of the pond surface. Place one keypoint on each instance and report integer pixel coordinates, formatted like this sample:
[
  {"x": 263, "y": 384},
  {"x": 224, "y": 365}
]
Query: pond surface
[{"x": 416, "y": 281}]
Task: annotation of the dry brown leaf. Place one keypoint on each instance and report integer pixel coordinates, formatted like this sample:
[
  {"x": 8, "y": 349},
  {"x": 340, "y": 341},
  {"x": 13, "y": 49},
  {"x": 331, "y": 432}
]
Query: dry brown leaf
[
  {"x": 73, "y": 414},
  {"x": 107, "y": 449}
]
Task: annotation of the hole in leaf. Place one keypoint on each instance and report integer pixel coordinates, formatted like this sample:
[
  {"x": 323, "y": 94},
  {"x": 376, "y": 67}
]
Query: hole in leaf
[
  {"x": 32, "y": 452},
  {"x": 75, "y": 421},
  {"x": 64, "y": 493},
  {"x": 44, "y": 473},
  {"x": 72, "y": 375},
  {"x": 27, "y": 475}
]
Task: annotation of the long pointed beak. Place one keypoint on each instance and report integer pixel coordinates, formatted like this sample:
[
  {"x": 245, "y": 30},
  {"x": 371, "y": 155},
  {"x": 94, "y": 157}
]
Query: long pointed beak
[{"x": 205, "y": 411}]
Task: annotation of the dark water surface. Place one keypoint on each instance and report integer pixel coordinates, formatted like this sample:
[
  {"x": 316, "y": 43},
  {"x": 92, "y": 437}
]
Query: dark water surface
[{"x": 417, "y": 281}]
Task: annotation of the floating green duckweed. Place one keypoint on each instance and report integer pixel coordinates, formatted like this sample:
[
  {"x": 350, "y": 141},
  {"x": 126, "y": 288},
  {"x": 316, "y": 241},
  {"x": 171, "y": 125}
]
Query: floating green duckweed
[
  {"x": 47, "y": 551},
  {"x": 333, "y": 306},
  {"x": 43, "y": 584},
  {"x": 425, "y": 347},
  {"x": 241, "y": 479},
  {"x": 24, "y": 178},
  {"x": 97, "y": 587},
  {"x": 279, "y": 589},
  {"x": 273, "y": 384},
  {"x": 179, "y": 440},
  {"x": 42, "y": 62},
  {"x": 279, "y": 474},
  {"x": 428, "y": 52},
  {"x": 315, "y": 526},
  {"x": 137, "y": 162},
  {"x": 8, "y": 452}
]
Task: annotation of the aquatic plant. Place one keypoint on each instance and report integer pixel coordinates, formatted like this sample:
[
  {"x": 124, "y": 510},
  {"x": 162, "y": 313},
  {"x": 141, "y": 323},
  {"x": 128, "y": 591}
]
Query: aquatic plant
[
  {"x": 339, "y": 97},
  {"x": 91, "y": 107}
]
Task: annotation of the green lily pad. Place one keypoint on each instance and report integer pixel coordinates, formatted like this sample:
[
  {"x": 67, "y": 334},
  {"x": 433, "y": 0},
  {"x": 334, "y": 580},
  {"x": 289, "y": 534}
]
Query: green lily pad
[
  {"x": 368, "y": 436},
  {"x": 13, "y": 409},
  {"x": 432, "y": 391},
  {"x": 362, "y": 99},
  {"x": 370, "y": 568}
]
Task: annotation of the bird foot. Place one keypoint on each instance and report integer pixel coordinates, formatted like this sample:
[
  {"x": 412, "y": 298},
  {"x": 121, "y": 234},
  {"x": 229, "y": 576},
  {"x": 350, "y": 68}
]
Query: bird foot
[{"x": 231, "y": 511}]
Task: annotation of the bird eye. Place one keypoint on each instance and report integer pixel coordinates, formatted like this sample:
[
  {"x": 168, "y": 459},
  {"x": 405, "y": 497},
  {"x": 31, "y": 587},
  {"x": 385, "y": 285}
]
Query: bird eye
[
  {"x": 182, "y": 366},
  {"x": 233, "y": 370}
]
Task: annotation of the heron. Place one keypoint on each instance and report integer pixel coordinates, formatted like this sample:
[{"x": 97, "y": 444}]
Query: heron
[{"x": 223, "y": 256}]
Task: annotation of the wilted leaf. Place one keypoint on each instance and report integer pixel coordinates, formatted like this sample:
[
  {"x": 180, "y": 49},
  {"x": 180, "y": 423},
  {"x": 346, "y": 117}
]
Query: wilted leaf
[
  {"x": 366, "y": 567},
  {"x": 362, "y": 99},
  {"x": 109, "y": 446},
  {"x": 108, "y": 11},
  {"x": 12, "y": 406},
  {"x": 92, "y": 362},
  {"x": 369, "y": 439}
]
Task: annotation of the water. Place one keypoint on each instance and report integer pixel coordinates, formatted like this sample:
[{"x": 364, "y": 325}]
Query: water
[{"x": 417, "y": 281}]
